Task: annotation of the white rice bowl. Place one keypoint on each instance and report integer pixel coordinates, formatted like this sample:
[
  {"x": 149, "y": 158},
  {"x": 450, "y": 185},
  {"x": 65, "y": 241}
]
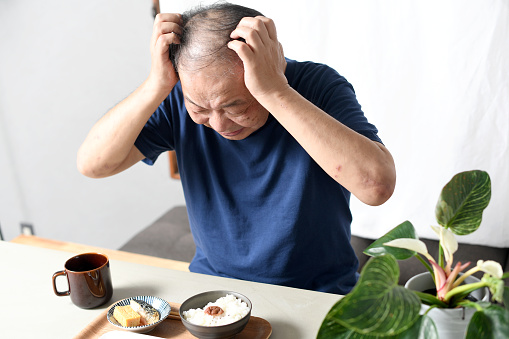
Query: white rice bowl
[{"x": 233, "y": 308}]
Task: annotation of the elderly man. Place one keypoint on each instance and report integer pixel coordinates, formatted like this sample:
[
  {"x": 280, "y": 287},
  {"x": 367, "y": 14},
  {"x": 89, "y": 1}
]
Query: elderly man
[{"x": 268, "y": 148}]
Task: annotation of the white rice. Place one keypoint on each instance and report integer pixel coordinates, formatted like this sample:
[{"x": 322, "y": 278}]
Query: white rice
[{"x": 234, "y": 309}]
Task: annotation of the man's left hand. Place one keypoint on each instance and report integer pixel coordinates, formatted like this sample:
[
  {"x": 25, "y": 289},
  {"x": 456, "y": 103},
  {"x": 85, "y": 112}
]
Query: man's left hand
[{"x": 262, "y": 55}]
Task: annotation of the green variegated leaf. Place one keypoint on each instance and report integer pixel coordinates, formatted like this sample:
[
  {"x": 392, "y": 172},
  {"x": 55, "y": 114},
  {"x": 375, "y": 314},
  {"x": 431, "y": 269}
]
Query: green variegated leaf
[
  {"x": 492, "y": 322},
  {"x": 423, "y": 328},
  {"x": 334, "y": 330},
  {"x": 376, "y": 306},
  {"x": 463, "y": 200},
  {"x": 404, "y": 230}
]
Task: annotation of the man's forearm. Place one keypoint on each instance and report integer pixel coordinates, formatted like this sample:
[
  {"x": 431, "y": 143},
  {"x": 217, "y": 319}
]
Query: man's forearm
[
  {"x": 109, "y": 145},
  {"x": 362, "y": 166}
]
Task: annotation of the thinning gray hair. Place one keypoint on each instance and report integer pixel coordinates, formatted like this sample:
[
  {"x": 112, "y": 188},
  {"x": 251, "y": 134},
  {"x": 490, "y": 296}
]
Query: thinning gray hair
[{"x": 206, "y": 33}]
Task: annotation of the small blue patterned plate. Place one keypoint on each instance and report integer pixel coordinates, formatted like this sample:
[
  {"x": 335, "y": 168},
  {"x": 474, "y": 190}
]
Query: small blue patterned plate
[{"x": 159, "y": 304}]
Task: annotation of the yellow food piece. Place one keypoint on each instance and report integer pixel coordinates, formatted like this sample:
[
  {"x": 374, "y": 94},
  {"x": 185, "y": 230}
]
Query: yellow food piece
[{"x": 126, "y": 316}]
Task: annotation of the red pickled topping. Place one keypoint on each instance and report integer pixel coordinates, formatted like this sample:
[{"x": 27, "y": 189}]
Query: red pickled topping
[{"x": 214, "y": 310}]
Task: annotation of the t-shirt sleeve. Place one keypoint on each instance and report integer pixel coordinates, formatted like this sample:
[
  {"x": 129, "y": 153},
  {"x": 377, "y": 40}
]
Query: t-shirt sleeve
[
  {"x": 328, "y": 90},
  {"x": 158, "y": 136},
  {"x": 342, "y": 104}
]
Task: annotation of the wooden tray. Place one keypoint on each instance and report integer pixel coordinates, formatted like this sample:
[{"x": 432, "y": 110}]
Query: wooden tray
[{"x": 172, "y": 327}]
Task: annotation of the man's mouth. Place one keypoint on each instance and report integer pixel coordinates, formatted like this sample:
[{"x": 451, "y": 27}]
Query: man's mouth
[{"x": 232, "y": 134}]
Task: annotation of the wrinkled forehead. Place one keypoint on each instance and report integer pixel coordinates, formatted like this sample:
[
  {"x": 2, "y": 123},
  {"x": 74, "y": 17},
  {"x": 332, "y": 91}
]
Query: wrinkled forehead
[{"x": 213, "y": 85}]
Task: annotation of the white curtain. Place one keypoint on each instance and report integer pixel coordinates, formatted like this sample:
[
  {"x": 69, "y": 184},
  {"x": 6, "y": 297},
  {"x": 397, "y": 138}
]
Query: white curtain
[{"x": 433, "y": 76}]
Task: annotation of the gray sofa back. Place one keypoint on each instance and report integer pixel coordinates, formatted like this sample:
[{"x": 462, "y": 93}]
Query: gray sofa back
[
  {"x": 170, "y": 237},
  {"x": 466, "y": 253}
]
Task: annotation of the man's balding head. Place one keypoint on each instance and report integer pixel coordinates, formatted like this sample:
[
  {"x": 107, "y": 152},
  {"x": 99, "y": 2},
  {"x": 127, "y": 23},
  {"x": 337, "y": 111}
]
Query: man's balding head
[{"x": 206, "y": 33}]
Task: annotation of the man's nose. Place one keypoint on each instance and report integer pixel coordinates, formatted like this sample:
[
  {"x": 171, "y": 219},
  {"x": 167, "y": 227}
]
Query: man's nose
[{"x": 218, "y": 121}]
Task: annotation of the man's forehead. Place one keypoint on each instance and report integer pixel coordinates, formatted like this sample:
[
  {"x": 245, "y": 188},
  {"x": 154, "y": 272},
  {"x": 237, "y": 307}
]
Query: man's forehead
[
  {"x": 230, "y": 103},
  {"x": 216, "y": 102},
  {"x": 219, "y": 91}
]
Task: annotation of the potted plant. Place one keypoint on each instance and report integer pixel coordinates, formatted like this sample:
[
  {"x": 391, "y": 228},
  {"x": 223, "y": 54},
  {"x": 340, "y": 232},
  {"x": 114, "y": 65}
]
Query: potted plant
[{"x": 378, "y": 307}]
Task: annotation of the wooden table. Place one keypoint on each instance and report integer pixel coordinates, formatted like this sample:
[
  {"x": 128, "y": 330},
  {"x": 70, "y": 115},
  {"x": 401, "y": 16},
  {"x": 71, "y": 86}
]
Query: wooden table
[
  {"x": 30, "y": 309},
  {"x": 112, "y": 254}
]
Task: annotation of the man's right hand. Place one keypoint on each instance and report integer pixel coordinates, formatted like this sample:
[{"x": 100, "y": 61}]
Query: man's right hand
[
  {"x": 109, "y": 147},
  {"x": 166, "y": 31}
]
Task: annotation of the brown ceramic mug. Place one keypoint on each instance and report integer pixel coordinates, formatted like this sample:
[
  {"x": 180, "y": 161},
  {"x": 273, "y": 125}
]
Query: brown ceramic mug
[{"x": 89, "y": 280}]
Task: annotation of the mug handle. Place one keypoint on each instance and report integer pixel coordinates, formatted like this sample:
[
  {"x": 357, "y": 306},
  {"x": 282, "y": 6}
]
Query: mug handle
[{"x": 60, "y": 294}]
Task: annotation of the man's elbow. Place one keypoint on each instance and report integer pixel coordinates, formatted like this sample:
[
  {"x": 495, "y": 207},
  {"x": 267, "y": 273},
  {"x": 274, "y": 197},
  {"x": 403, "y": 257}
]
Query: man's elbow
[
  {"x": 86, "y": 167},
  {"x": 377, "y": 192},
  {"x": 380, "y": 194},
  {"x": 381, "y": 181}
]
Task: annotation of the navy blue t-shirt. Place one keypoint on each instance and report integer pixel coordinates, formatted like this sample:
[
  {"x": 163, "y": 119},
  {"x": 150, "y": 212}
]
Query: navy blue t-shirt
[{"x": 260, "y": 208}]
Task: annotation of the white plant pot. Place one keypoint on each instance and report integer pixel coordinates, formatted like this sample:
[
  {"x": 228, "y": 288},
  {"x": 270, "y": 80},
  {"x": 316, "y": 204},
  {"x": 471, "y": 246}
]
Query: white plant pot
[{"x": 451, "y": 323}]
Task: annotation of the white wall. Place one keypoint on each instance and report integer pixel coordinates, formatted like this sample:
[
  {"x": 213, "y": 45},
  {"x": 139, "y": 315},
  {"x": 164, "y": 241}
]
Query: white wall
[
  {"x": 63, "y": 64},
  {"x": 432, "y": 75}
]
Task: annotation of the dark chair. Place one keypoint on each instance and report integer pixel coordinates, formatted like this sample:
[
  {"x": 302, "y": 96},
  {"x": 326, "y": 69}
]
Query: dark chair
[{"x": 168, "y": 237}]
